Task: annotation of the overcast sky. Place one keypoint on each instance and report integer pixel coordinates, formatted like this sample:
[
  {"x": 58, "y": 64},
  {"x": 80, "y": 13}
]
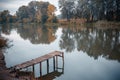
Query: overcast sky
[{"x": 13, "y": 5}]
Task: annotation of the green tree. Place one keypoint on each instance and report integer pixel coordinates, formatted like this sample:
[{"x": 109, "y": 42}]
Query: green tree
[
  {"x": 22, "y": 13},
  {"x": 118, "y": 10},
  {"x": 4, "y": 16},
  {"x": 92, "y": 10}
]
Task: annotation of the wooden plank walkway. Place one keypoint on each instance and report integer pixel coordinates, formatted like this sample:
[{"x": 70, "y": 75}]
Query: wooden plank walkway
[{"x": 39, "y": 60}]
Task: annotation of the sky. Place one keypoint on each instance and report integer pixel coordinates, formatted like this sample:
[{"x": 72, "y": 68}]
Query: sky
[{"x": 13, "y": 5}]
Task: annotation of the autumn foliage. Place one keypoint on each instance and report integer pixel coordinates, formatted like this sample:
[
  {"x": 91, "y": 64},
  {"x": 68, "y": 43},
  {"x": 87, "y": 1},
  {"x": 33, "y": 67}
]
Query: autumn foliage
[{"x": 35, "y": 11}]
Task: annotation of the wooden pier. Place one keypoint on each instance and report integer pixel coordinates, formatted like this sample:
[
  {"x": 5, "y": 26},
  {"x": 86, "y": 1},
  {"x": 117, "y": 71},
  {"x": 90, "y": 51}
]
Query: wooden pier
[{"x": 41, "y": 59}]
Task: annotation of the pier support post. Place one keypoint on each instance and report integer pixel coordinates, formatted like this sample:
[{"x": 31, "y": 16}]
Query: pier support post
[
  {"x": 33, "y": 70},
  {"x": 47, "y": 66},
  {"x": 63, "y": 61},
  {"x": 54, "y": 63},
  {"x": 63, "y": 57},
  {"x": 40, "y": 68}
]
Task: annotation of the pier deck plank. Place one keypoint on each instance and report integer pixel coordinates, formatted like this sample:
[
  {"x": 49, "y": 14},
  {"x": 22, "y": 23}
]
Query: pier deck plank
[{"x": 38, "y": 60}]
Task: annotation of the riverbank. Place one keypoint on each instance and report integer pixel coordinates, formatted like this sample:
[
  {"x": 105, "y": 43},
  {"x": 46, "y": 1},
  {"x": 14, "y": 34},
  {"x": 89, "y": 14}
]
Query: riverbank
[
  {"x": 107, "y": 24},
  {"x": 4, "y": 72}
]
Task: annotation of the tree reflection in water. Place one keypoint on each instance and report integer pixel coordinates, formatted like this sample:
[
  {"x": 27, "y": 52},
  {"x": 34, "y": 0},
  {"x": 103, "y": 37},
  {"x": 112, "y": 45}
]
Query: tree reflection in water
[
  {"x": 35, "y": 33},
  {"x": 95, "y": 42},
  {"x": 67, "y": 41},
  {"x": 92, "y": 41}
]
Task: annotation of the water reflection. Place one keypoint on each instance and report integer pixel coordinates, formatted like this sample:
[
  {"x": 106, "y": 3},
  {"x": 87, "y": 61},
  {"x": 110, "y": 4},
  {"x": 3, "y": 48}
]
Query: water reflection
[
  {"x": 35, "y": 33},
  {"x": 100, "y": 44},
  {"x": 95, "y": 42},
  {"x": 30, "y": 75},
  {"x": 51, "y": 76},
  {"x": 6, "y": 28},
  {"x": 38, "y": 34}
]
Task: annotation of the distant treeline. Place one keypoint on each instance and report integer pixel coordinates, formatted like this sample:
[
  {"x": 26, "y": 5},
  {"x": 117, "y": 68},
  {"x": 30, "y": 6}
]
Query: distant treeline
[
  {"x": 35, "y": 11},
  {"x": 41, "y": 12},
  {"x": 92, "y": 10}
]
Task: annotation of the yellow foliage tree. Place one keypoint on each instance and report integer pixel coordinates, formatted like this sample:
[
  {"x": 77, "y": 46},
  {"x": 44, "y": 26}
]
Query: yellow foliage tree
[{"x": 50, "y": 11}]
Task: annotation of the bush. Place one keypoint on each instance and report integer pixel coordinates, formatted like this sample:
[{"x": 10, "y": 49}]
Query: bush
[
  {"x": 54, "y": 20},
  {"x": 2, "y": 42}
]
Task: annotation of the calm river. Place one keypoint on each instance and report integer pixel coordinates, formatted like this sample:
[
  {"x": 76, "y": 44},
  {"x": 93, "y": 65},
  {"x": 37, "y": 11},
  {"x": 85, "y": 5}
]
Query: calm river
[{"x": 90, "y": 53}]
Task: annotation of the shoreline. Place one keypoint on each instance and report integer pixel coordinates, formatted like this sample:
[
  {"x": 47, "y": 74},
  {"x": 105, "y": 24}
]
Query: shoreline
[{"x": 4, "y": 72}]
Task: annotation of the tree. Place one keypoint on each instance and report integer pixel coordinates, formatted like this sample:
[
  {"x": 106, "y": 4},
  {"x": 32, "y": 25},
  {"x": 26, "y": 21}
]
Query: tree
[
  {"x": 4, "y": 16},
  {"x": 36, "y": 12},
  {"x": 66, "y": 8},
  {"x": 92, "y": 10},
  {"x": 118, "y": 10},
  {"x": 22, "y": 12},
  {"x": 50, "y": 12},
  {"x": 44, "y": 18},
  {"x": 38, "y": 16}
]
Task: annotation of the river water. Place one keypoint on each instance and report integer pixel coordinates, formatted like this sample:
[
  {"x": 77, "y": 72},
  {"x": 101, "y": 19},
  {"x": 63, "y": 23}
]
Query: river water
[{"x": 90, "y": 53}]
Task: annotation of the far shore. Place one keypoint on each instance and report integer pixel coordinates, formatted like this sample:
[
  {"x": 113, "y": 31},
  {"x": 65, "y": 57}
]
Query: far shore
[{"x": 78, "y": 22}]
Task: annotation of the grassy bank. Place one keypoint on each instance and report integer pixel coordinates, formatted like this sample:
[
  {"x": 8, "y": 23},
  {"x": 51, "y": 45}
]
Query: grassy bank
[{"x": 105, "y": 24}]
